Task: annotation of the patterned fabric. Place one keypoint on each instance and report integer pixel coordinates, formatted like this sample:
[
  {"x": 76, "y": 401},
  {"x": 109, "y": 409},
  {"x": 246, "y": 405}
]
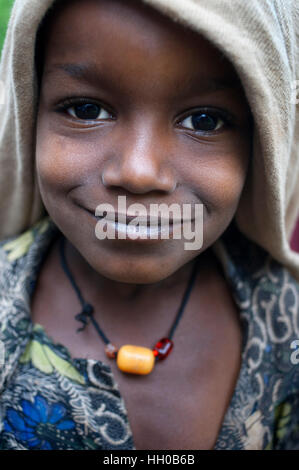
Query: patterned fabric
[{"x": 49, "y": 400}]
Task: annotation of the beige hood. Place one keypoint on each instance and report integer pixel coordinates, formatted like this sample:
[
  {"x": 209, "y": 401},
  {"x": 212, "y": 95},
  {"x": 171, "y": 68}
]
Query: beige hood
[{"x": 260, "y": 37}]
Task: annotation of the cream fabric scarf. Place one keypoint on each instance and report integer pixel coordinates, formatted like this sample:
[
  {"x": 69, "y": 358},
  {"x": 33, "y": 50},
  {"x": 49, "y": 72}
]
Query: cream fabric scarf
[{"x": 260, "y": 37}]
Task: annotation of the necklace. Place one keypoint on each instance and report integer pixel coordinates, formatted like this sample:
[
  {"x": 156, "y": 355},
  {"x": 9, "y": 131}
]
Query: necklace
[{"x": 129, "y": 358}]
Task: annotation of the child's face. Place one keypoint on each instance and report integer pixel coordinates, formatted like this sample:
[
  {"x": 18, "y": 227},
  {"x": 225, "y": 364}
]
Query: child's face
[{"x": 169, "y": 124}]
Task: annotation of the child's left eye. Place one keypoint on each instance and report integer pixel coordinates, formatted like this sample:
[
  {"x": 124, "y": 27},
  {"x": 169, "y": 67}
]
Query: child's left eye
[{"x": 204, "y": 121}]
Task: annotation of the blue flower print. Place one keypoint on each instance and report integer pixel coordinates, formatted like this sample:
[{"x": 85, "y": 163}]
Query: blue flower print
[{"x": 39, "y": 425}]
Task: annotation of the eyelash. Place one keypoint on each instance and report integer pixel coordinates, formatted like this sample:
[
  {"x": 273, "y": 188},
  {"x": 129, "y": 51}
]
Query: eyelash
[
  {"x": 226, "y": 117},
  {"x": 72, "y": 102}
]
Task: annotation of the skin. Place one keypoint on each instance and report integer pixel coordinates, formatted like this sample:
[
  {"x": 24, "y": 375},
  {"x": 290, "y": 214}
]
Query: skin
[
  {"x": 143, "y": 151},
  {"x": 151, "y": 76}
]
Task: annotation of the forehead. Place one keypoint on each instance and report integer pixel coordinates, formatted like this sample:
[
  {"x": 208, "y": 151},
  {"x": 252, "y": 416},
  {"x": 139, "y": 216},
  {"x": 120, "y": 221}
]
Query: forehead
[
  {"x": 107, "y": 29},
  {"x": 132, "y": 46}
]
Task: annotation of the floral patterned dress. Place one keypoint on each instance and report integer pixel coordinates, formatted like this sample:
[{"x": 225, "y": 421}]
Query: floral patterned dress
[{"x": 49, "y": 400}]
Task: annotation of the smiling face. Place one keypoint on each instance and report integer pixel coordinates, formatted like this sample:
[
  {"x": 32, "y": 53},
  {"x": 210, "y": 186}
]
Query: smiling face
[{"x": 134, "y": 105}]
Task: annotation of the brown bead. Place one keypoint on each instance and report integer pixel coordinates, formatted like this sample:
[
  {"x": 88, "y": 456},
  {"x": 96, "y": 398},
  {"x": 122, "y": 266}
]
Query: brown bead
[{"x": 111, "y": 351}]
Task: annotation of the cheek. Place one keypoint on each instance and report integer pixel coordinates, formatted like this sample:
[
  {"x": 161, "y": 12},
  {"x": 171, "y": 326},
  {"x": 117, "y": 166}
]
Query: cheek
[
  {"x": 59, "y": 163},
  {"x": 222, "y": 180},
  {"x": 226, "y": 183}
]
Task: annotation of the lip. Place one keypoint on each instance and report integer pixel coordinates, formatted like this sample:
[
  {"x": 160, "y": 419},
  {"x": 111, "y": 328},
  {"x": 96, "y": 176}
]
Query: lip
[
  {"x": 142, "y": 220},
  {"x": 144, "y": 233},
  {"x": 123, "y": 230}
]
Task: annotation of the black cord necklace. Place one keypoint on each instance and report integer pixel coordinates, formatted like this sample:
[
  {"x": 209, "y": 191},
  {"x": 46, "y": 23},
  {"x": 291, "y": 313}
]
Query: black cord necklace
[{"x": 129, "y": 358}]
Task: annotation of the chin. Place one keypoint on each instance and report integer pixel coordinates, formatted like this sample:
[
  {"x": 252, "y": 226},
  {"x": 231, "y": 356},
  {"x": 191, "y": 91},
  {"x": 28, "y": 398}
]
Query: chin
[
  {"x": 136, "y": 276},
  {"x": 130, "y": 271}
]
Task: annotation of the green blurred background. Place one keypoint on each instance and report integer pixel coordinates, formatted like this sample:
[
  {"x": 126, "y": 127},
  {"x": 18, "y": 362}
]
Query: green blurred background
[{"x": 5, "y": 7}]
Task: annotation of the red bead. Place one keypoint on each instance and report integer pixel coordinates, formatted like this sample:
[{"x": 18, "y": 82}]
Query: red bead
[{"x": 163, "y": 348}]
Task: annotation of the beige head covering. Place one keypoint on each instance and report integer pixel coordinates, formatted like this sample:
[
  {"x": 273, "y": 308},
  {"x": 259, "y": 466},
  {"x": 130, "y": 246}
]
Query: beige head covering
[{"x": 261, "y": 39}]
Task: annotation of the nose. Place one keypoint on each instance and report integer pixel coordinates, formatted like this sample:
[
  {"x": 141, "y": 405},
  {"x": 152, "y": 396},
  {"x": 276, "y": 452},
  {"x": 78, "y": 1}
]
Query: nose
[{"x": 142, "y": 164}]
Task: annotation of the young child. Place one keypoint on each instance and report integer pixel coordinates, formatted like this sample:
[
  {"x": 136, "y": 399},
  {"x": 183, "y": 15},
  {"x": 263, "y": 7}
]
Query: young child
[{"x": 164, "y": 101}]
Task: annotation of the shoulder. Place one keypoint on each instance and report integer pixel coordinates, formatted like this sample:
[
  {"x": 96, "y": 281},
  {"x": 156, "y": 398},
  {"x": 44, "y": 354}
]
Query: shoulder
[
  {"x": 275, "y": 319},
  {"x": 17, "y": 246},
  {"x": 273, "y": 344},
  {"x": 268, "y": 299},
  {"x": 20, "y": 258},
  {"x": 21, "y": 252}
]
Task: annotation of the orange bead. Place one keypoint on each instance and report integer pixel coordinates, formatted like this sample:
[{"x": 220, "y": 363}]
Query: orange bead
[{"x": 135, "y": 359}]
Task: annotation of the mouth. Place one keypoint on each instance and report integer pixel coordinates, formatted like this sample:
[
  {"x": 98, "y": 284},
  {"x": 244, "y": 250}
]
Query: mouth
[
  {"x": 145, "y": 224},
  {"x": 148, "y": 229},
  {"x": 143, "y": 221}
]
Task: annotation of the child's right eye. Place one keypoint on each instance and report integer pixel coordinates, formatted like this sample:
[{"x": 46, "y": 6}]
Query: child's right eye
[{"x": 84, "y": 109}]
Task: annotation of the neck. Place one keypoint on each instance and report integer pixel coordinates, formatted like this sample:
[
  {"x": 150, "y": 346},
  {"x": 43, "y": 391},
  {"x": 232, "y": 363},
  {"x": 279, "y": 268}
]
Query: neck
[
  {"x": 134, "y": 313},
  {"x": 136, "y": 309},
  {"x": 93, "y": 282}
]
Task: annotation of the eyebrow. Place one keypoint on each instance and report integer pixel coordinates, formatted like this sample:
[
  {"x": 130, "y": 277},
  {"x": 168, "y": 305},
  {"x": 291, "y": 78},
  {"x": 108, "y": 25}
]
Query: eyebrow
[{"x": 90, "y": 74}]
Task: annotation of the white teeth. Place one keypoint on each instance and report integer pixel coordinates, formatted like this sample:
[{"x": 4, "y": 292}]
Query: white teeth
[{"x": 139, "y": 230}]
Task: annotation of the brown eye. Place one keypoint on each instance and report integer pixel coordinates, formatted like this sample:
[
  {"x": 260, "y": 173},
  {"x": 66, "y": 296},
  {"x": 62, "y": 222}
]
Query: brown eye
[
  {"x": 203, "y": 122},
  {"x": 88, "y": 111}
]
